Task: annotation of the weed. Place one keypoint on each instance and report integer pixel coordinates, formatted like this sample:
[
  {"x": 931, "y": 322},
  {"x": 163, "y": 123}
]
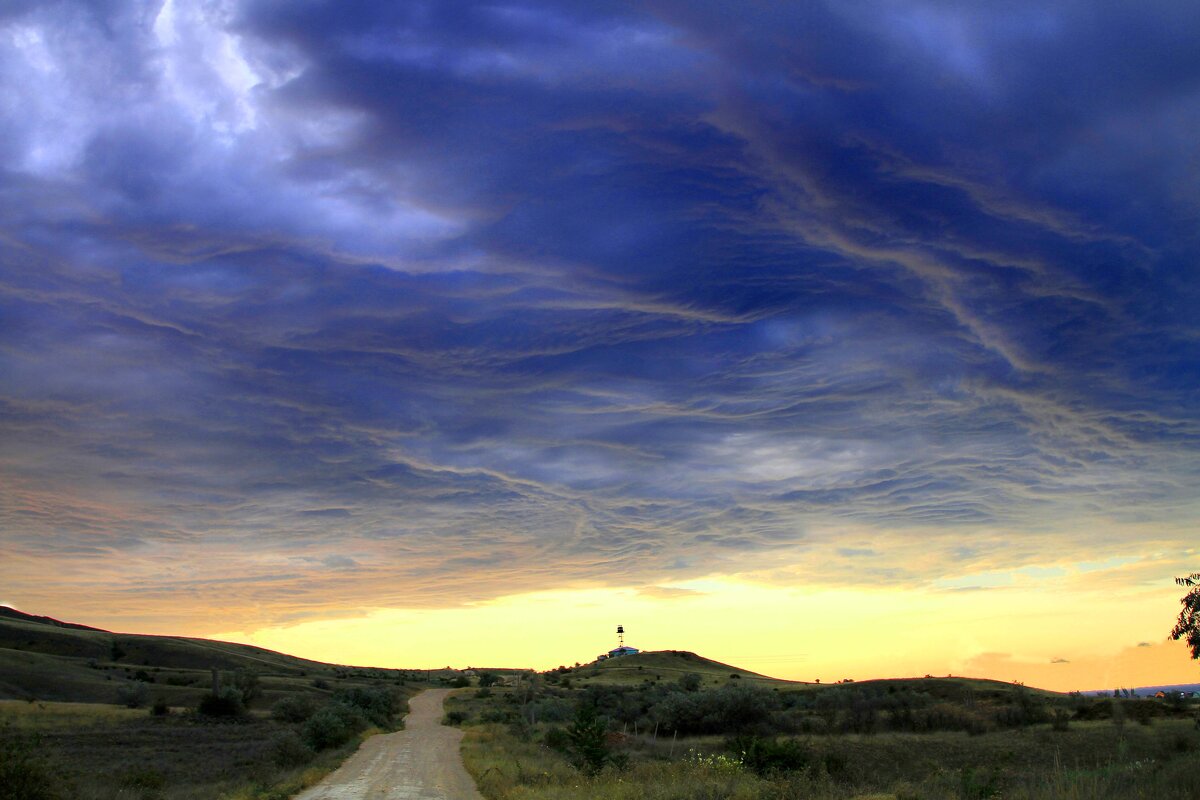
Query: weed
[{"x": 24, "y": 774}]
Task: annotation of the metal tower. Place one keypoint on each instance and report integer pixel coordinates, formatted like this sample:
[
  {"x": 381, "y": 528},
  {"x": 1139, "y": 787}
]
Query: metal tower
[{"x": 620, "y": 636}]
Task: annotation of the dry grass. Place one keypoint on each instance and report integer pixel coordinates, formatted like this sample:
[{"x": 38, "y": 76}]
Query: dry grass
[
  {"x": 104, "y": 752},
  {"x": 1093, "y": 760}
]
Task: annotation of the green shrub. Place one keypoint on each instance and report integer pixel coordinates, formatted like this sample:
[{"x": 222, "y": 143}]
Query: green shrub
[
  {"x": 247, "y": 684},
  {"x": 496, "y": 715},
  {"x": 587, "y": 736},
  {"x": 160, "y": 708},
  {"x": 23, "y": 773},
  {"x": 226, "y": 704},
  {"x": 332, "y": 726},
  {"x": 767, "y": 756},
  {"x": 294, "y": 708},
  {"x": 289, "y": 750},
  {"x": 132, "y": 695},
  {"x": 454, "y": 718},
  {"x": 556, "y": 739},
  {"x": 378, "y": 705}
]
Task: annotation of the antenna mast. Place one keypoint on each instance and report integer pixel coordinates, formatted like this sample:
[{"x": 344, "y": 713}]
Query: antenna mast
[{"x": 620, "y": 636}]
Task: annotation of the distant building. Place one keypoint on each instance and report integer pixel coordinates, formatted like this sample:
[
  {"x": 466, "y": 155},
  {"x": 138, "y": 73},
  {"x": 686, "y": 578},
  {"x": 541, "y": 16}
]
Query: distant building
[{"x": 621, "y": 649}]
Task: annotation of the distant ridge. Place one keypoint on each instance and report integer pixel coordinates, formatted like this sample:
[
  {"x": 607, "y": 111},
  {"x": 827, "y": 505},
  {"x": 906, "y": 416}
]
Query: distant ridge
[
  {"x": 12, "y": 613},
  {"x": 48, "y": 659},
  {"x": 1148, "y": 691},
  {"x": 673, "y": 663}
]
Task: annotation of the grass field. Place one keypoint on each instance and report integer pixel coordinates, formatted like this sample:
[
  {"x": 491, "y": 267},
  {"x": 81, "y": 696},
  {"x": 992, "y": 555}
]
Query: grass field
[
  {"x": 99, "y": 752},
  {"x": 934, "y": 739},
  {"x": 65, "y": 729}
]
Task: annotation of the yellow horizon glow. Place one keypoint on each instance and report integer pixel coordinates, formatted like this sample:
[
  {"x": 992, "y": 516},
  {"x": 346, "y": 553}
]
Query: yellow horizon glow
[{"x": 1054, "y": 638}]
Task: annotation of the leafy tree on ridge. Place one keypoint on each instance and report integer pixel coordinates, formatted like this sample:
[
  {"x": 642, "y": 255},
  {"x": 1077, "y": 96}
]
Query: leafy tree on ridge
[{"x": 1188, "y": 625}]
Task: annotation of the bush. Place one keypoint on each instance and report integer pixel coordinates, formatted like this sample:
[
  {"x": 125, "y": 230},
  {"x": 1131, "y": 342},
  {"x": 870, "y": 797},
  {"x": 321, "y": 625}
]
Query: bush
[
  {"x": 487, "y": 679},
  {"x": 730, "y": 709},
  {"x": 690, "y": 682},
  {"x": 766, "y": 756},
  {"x": 454, "y": 718},
  {"x": 293, "y": 708},
  {"x": 332, "y": 726},
  {"x": 226, "y": 704},
  {"x": 247, "y": 685},
  {"x": 289, "y": 750},
  {"x": 132, "y": 695},
  {"x": 23, "y": 774},
  {"x": 379, "y": 706},
  {"x": 587, "y": 738},
  {"x": 496, "y": 715},
  {"x": 160, "y": 708},
  {"x": 556, "y": 739},
  {"x": 459, "y": 682}
]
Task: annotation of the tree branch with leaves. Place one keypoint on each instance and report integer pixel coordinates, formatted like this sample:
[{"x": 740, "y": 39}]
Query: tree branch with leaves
[{"x": 1188, "y": 625}]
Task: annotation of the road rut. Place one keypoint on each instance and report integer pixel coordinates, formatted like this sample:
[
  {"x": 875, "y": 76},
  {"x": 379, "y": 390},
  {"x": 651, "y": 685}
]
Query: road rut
[{"x": 421, "y": 762}]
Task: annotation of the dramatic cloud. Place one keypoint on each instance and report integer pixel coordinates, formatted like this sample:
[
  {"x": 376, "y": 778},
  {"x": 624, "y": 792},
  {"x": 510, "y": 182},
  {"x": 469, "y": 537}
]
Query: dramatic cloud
[{"x": 362, "y": 304}]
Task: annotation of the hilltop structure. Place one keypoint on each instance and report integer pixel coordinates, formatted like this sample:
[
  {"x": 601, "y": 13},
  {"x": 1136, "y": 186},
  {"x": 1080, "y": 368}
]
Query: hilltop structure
[{"x": 621, "y": 649}]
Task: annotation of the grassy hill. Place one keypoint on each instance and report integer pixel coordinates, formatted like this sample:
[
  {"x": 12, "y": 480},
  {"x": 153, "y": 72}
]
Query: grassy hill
[
  {"x": 90, "y": 713},
  {"x": 45, "y": 659},
  {"x": 670, "y": 665},
  {"x": 666, "y": 665}
]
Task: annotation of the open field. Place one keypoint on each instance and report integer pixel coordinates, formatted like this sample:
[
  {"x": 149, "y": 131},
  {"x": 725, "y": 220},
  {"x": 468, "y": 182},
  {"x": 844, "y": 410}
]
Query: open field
[
  {"x": 99, "y": 752},
  {"x": 98, "y": 716},
  {"x": 670, "y": 725},
  {"x": 903, "y": 739}
]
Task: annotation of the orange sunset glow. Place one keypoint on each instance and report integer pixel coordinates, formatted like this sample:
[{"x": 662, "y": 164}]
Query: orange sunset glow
[{"x": 830, "y": 341}]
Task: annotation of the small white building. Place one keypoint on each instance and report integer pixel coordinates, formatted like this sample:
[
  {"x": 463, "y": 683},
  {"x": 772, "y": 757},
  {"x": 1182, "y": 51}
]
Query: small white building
[{"x": 621, "y": 649}]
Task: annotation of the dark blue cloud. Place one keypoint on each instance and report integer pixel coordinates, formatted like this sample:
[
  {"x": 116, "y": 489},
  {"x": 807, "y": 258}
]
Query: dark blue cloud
[{"x": 455, "y": 300}]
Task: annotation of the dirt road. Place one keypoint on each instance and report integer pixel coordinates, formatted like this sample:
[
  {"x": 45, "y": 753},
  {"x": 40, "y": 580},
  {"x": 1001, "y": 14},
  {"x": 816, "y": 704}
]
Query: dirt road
[{"x": 421, "y": 762}]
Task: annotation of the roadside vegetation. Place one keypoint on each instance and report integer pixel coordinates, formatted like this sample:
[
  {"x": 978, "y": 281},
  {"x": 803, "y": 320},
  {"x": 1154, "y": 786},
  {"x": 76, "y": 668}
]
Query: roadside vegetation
[
  {"x": 93, "y": 715},
  {"x": 680, "y": 735},
  {"x": 226, "y": 746}
]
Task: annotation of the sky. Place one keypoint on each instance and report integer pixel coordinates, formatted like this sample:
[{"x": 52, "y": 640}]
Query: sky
[{"x": 828, "y": 339}]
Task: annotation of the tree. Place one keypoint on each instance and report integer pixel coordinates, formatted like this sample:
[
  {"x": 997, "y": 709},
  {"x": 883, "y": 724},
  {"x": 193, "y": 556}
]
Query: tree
[
  {"x": 1188, "y": 625},
  {"x": 246, "y": 683},
  {"x": 587, "y": 738}
]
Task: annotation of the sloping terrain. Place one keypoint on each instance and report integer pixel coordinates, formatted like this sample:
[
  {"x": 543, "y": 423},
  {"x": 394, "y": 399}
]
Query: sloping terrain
[
  {"x": 666, "y": 665},
  {"x": 670, "y": 665},
  {"x": 45, "y": 659}
]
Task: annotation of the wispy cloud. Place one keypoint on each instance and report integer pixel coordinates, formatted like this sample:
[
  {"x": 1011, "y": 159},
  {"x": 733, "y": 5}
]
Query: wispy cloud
[{"x": 413, "y": 308}]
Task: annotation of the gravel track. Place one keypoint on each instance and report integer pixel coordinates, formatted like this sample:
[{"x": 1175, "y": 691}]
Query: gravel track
[{"x": 421, "y": 762}]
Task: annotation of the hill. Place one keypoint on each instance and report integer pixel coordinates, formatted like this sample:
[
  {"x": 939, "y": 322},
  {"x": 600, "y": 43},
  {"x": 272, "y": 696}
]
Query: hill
[
  {"x": 670, "y": 665},
  {"x": 47, "y": 659},
  {"x": 12, "y": 613},
  {"x": 667, "y": 665}
]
